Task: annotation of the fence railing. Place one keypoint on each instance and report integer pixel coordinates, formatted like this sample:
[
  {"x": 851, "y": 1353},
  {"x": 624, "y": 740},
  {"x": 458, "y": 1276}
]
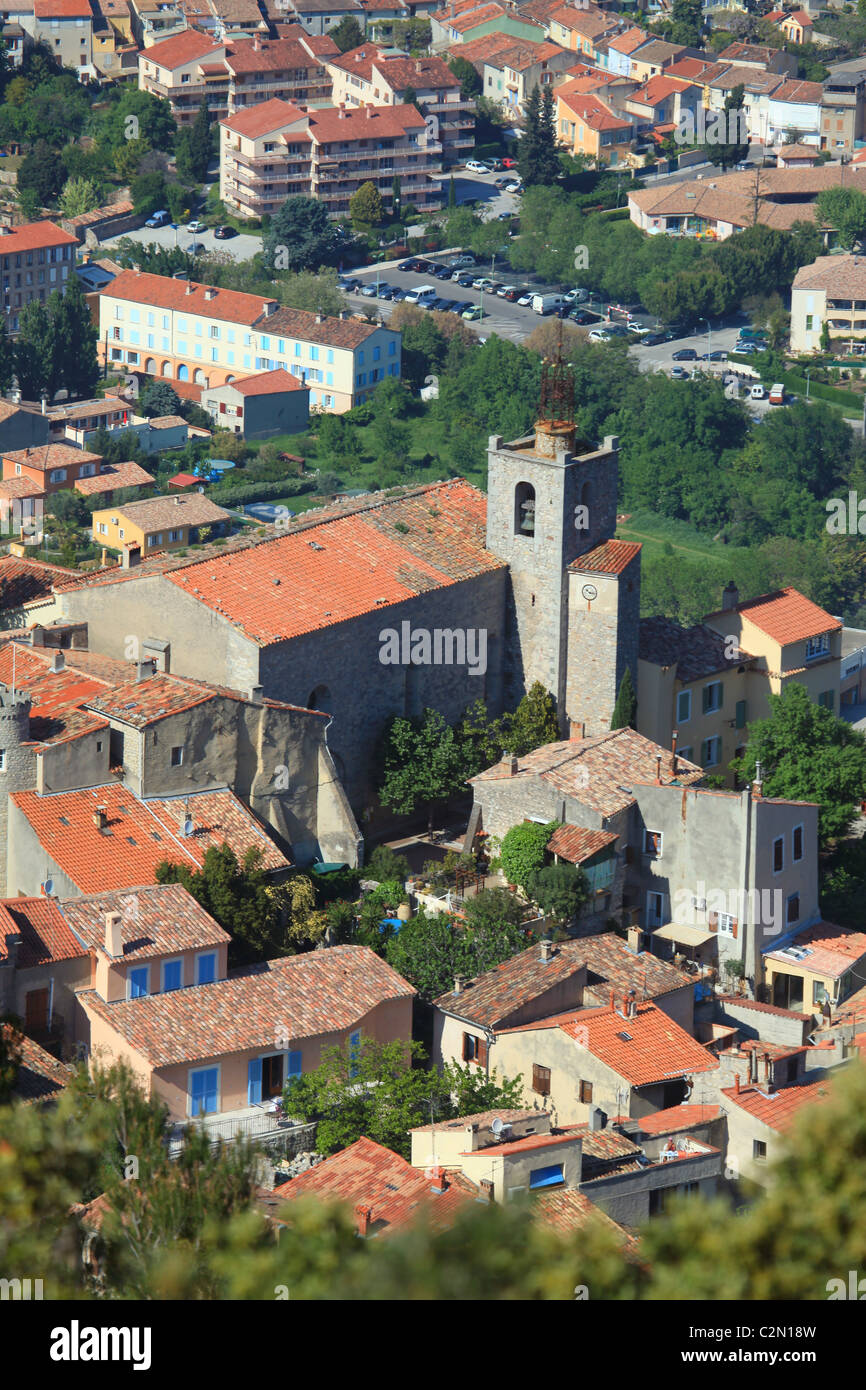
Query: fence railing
[{"x": 287, "y": 1137}]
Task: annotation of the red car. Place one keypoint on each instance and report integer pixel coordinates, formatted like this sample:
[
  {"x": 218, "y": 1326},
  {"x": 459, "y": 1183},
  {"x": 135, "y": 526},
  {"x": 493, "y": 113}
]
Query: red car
[{"x": 509, "y": 163}]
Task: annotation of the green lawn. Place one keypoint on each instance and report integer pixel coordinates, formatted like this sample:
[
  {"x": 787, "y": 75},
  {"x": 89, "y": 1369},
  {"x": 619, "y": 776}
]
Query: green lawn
[{"x": 655, "y": 532}]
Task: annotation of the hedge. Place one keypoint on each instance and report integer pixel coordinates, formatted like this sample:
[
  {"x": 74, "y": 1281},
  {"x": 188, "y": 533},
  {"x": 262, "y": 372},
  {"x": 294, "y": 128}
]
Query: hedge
[{"x": 260, "y": 492}]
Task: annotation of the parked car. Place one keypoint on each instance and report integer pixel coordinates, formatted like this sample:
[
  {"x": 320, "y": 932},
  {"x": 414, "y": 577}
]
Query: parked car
[
  {"x": 483, "y": 282},
  {"x": 513, "y": 188},
  {"x": 503, "y": 291},
  {"x": 442, "y": 272},
  {"x": 504, "y": 216},
  {"x": 512, "y": 295},
  {"x": 719, "y": 355},
  {"x": 745, "y": 349},
  {"x": 495, "y": 165},
  {"x": 224, "y": 232},
  {"x": 506, "y": 178},
  {"x": 384, "y": 291},
  {"x": 369, "y": 291},
  {"x": 474, "y": 313},
  {"x": 413, "y": 265},
  {"x": 159, "y": 219},
  {"x": 196, "y": 226},
  {"x": 685, "y": 355},
  {"x": 584, "y": 316},
  {"x": 639, "y": 330},
  {"x": 777, "y": 394},
  {"x": 474, "y": 166},
  {"x": 438, "y": 303},
  {"x": 397, "y": 296},
  {"x": 678, "y": 373},
  {"x": 757, "y": 392},
  {"x": 464, "y": 279},
  {"x": 526, "y": 299},
  {"x": 464, "y": 259},
  {"x": 352, "y": 286},
  {"x": 509, "y": 163},
  {"x": 599, "y": 335},
  {"x": 653, "y": 339}
]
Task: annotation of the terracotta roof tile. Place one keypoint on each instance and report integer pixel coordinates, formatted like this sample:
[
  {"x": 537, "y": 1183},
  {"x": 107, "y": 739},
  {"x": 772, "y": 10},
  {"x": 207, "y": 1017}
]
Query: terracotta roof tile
[
  {"x": 695, "y": 651},
  {"x": 46, "y": 934},
  {"x": 490, "y": 999},
  {"x": 482, "y": 1118},
  {"x": 330, "y": 125},
  {"x": 778, "y": 1109},
  {"x": 23, "y": 580},
  {"x": 611, "y": 964},
  {"x": 566, "y": 1210},
  {"x": 139, "y": 834},
  {"x": 164, "y": 292},
  {"x": 40, "y": 1076},
  {"x": 644, "y": 1049},
  {"x": 788, "y": 616},
  {"x": 268, "y": 384},
  {"x": 33, "y": 235},
  {"x": 307, "y": 996},
  {"x": 157, "y": 513},
  {"x": 20, "y": 488},
  {"x": 573, "y": 843},
  {"x": 366, "y": 1174},
  {"x": 157, "y": 920},
  {"x": 677, "y": 1118},
  {"x": 610, "y": 558},
  {"x": 832, "y": 950},
  {"x": 265, "y": 117},
  {"x": 114, "y": 476},
  {"x": 182, "y": 48},
  {"x": 48, "y": 456}
]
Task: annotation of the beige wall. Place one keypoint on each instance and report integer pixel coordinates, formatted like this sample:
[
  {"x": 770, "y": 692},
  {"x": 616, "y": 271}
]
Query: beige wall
[
  {"x": 515, "y": 1054},
  {"x": 111, "y": 980},
  {"x": 510, "y": 1173}
]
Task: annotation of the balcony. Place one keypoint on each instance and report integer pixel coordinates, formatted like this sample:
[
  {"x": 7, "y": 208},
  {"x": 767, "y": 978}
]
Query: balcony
[{"x": 261, "y": 1123}]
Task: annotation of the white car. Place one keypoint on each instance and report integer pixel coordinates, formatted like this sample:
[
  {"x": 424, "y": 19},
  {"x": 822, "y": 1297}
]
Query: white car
[
  {"x": 196, "y": 226},
  {"x": 512, "y": 187},
  {"x": 476, "y": 167},
  {"x": 526, "y": 299},
  {"x": 483, "y": 283},
  {"x": 506, "y": 289},
  {"x": 638, "y": 329},
  {"x": 598, "y": 335}
]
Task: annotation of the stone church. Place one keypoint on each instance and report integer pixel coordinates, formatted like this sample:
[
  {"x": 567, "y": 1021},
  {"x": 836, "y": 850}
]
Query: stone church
[{"x": 388, "y": 604}]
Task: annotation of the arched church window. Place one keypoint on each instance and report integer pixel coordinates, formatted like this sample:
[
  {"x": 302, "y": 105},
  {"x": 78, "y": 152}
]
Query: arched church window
[{"x": 524, "y": 510}]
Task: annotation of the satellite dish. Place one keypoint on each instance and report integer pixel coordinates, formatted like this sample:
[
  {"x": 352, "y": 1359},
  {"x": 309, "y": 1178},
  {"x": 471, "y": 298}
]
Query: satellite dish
[
  {"x": 497, "y": 1127},
  {"x": 188, "y": 827},
  {"x": 47, "y": 887}
]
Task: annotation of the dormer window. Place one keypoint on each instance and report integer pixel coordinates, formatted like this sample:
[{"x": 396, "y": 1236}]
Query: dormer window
[{"x": 816, "y": 647}]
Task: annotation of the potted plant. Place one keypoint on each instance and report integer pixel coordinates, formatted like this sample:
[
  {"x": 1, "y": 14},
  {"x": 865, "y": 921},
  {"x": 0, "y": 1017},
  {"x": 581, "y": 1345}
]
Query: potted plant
[{"x": 735, "y": 971}]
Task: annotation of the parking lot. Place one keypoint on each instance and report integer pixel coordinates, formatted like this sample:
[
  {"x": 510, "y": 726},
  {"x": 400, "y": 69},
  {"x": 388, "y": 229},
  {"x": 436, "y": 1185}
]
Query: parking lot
[{"x": 241, "y": 247}]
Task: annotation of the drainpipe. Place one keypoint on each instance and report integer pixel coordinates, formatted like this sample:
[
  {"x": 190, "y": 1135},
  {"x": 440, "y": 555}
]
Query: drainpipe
[{"x": 746, "y": 927}]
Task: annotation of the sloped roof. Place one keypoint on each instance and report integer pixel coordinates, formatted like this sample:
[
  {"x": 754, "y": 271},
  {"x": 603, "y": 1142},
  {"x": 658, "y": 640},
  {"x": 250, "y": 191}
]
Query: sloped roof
[
  {"x": 492, "y": 997},
  {"x": 182, "y": 48},
  {"x": 114, "y": 476},
  {"x": 24, "y": 580},
  {"x": 268, "y": 384},
  {"x": 573, "y": 843},
  {"x": 40, "y": 1076},
  {"x": 610, "y": 558},
  {"x": 833, "y": 950},
  {"x": 154, "y": 513},
  {"x": 46, "y": 935},
  {"x": 156, "y": 920},
  {"x": 843, "y": 276},
  {"x": 264, "y": 117},
  {"x": 778, "y": 1109},
  {"x": 164, "y": 292},
  {"x": 788, "y": 616},
  {"x": 367, "y": 1174},
  {"x": 32, "y": 235},
  {"x": 695, "y": 651},
  {"x": 565, "y": 1210},
  {"x": 678, "y": 1117},
  {"x": 313, "y": 995},
  {"x": 644, "y": 1049}
]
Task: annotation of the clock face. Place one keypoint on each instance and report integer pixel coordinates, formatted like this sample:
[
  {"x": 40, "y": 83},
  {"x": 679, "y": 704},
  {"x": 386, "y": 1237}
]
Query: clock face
[{"x": 589, "y": 592}]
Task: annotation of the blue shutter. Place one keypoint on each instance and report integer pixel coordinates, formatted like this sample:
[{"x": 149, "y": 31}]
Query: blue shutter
[
  {"x": 546, "y": 1177},
  {"x": 138, "y": 983},
  {"x": 206, "y": 969},
  {"x": 171, "y": 975},
  {"x": 254, "y": 1081},
  {"x": 294, "y": 1066},
  {"x": 203, "y": 1091}
]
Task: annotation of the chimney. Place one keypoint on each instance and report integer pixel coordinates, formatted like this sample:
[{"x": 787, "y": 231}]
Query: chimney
[
  {"x": 44, "y": 405},
  {"x": 210, "y": 293},
  {"x": 485, "y": 1190},
  {"x": 612, "y": 1000},
  {"x": 510, "y": 759},
  {"x": 758, "y": 784},
  {"x": 188, "y": 289},
  {"x": 37, "y": 636},
  {"x": 318, "y": 318},
  {"x": 458, "y": 984},
  {"x": 730, "y": 597},
  {"x": 58, "y": 661},
  {"x": 130, "y": 557},
  {"x": 439, "y": 1182},
  {"x": 630, "y": 1005},
  {"x": 100, "y": 817},
  {"x": 674, "y": 737},
  {"x": 362, "y": 1217},
  {"x": 577, "y": 730},
  {"x": 737, "y": 1084},
  {"x": 753, "y": 1065},
  {"x": 658, "y": 769},
  {"x": 256, "y": 693},
  {"x": 145, "y": 668},
  {"x": 634, "y": 936},
  {"x": 546, "y": 946},
  {"x": 471, "y": 1138},
  {"x": 113, "y": 934}
]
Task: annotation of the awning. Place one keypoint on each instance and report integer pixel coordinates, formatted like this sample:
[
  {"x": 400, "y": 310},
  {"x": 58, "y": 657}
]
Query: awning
[{"x": 686, "y": 936}]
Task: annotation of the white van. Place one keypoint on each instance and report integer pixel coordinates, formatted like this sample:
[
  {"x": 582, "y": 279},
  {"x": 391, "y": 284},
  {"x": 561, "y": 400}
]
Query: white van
[
  {"x": 421, "y": 294},
  {"x": 757, "y": 392},
  {"x": 546, "y": 303}
]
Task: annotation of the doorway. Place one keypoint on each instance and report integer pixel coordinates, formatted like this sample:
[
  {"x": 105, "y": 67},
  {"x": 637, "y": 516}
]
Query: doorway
[{"x": 272, "y": 1076}]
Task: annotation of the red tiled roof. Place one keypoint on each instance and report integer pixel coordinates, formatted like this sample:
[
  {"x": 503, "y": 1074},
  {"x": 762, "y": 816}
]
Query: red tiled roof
[
  {"x": 115, "y": 475},
  {"x": 798, "y": 91},
  {"x": 155, "y": 921},
  {"x": 268, "y": 384},
  {"x": 629, "y": 41},
  {"x": 32, "y": 236},
  {"x": 778, "y": 1109},
  {"x": 644, "y": 1049},
  {"x": 46, "y": 934},
  {"x": 788, "y": 616},
  {"x": 62, "y": 9},
  {"x": 40, "y": 1076},
  {"x": 565, "y": 1210},
  {"x": 139, "y": 834},
  {"x": 678, "y": 1117},
  {"x": 575, "y": 844},
  {"x": 264, "y": 117},
  {"x": 181, "y": 49},
  {"x": 47, "y": 456},
  {"x": 185, "y": 479},
  {"x": 321, "y": 993},
  {"x": 610, "y": 558},
  {"x": 164, "y": 292},
  {"x": 658, "y": 89},
  {"x": 329, "y": 124},
  {"x": 832, "y": 950},
  {"x": 22, "y": 580},
  {"x": 529, "y": 1142},
  {"x": 762, "y": 1008},
  {"x": 482, "y": 1118},
  {"x": 597, "y": 116},
  {"x": 366, "y": 1174},
  {"x": 57, "y": 696},
  {"x": 490, "y": 999},
  {"x": 463, "y": 23},
  {"x": 347, "y": 566},
  {"x": 20, "y": 488},
  {"x": 143, "y": 702}
]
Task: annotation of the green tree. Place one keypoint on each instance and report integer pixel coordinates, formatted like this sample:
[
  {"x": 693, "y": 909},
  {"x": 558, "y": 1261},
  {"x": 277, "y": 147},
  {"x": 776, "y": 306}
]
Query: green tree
[
  {"x": 365, "y": 205},
  {"x": 470, "y": 82},
  {"x": 34, "y": 351},
  {"x": 559, "y": 889},
  {"x": 136, "y": 115},
  {"x": 193, "y": 146},
  {"x": 807, "y": 754},
  {"x": 148, "y": 192},
  {"x": 538, "y": 159},
  {"x": 532, "y": 724},
  {"x": 524, "y": 850},
  {"x": 430, "y": 951},
  {"x": 420, "y": 764},
  {"x": 625, "y": 709},
  {"x": 731, "y": 150},
  {"x": 7, "y": 358},
  {"x": 78, "y": 196},
  {"x": 10, "y": 1055},
  {"x": 75, "y": 339},
  {"x": 381, "y": 1090},
  {"x": 347, "y": 34},
  {"x": 239, "y": 896},
  {"x": 844, "y": 210},
  {"x": 300, "y": 237},
  {"x": 158, "y": 398},
  {"x": 41, "y": 173},
  {"x": 688, "y": 23}
]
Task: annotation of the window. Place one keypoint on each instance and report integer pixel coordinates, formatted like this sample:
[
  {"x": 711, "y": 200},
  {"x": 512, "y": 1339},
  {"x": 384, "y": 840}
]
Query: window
[
  {"x": 540, "y": 1079},
  {"x": 177, "y": 756},
  {"x": 759, "y": 1149},
  {"x": 546, "y": 1177},
  {"x": 204, "y": 1091},
  {"x": 172, "y": 975},
  {"x": 809, "y": 323},
  {"x": 740, "y": 714},
  {"x": 354, "y": 1049},
  {"x": 652, "y": 843},
  {"x": 686, "y": 753},
  {"x": 684, "y": 706},
  {"x": 136, "y": 982},
  {"x": 153, "y": 540},
  {"x": 712, "y": 697},
  {"x": 2, "y": 759},
  {"x": 57, "y": 475},
  {"x": 797, "y": 843},
  {"x": 655, "y": 908},
  {"x": 711, "y": 752},
  {"x": 793, "y": 908},
  {"x": 727, "y": 925},
  {"x": 778, "y": 855},
  {"x": 102, "y": 528},
  {"x": 585, "y": 1092},
  {"x": 205, "y": 968},
  {"x": 827, "y": 698},
  {"x": 817, "y": 647}
]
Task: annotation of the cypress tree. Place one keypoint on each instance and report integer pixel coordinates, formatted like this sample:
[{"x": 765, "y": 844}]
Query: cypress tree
[{"x": 625, "y": 709}]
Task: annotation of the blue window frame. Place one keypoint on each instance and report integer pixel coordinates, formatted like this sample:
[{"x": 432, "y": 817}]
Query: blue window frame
[
  {"x": 137, "y": 981},
  {"x": 172, "y": 975},
  {"x": 294, "y": 1067},
  {"x": 546, "y": 1177},
  {"x": 205, "y": 968},
  {"x": 354, "y": 1048},
  {"x": 204, "y": 1091}
]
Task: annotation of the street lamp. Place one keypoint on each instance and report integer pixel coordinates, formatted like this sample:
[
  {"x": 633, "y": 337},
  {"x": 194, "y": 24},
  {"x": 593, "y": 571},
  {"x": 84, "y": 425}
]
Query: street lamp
[
  {"x": 709, "y": 337},
  {"x": 807, "y": 382}
]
